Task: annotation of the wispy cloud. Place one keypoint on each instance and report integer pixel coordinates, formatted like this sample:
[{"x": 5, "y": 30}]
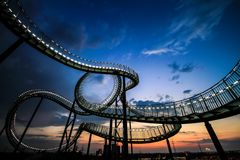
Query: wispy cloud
[
  {"x": 175, "y": 77},
  {"x": 196, "y": 20},
  {"x": 162, "y": 98},
  {"x": 226, "y": 141},
  {"x": 187, "y": 91},
  {"x": 128, "y": 56},
  {"x": 188, "y": 132},
  {"x": 158, "y": 51},
  {"x": 177, "y": 69},
  {"x": 189, "y": 67}
]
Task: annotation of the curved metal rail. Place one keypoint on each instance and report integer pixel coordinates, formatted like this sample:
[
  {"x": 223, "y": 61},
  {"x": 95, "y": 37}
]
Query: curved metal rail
[
  {"x": 138, "y": 135},
  {"x": 11, "y": 118},
  {"x": 219, "y": 101}
]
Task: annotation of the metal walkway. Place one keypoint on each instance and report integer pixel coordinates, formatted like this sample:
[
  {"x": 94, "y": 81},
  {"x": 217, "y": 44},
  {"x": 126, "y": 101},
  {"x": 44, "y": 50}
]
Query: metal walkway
[{"x": 219, "y": 101}]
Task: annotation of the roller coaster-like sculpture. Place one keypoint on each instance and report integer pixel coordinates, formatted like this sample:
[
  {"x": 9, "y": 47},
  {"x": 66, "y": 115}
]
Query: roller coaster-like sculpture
[{"x": 219, "y": 101}]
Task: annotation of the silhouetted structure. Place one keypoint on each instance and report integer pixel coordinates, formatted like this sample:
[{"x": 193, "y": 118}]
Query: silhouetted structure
[{"x": 220, "y": 101}]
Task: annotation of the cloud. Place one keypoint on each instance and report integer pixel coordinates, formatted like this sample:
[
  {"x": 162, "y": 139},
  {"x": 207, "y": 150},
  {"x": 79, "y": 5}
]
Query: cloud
[
  {"x": 131, "y": 100},
  {"x": 168, "y": 98},
  {"x": 174, "y": 66},
  {"x": 117, "y": 37},
  {"x": 177, "y": 68},
  {"x": 187, "y": 68},
  {"x": 195, "y": 20},
  {"x": 188, "y": 132},
  {"x": 36, "y": 136},
  {"x": 127, "y": 56},
  {"x": 229, "y": 143},
  {"x": 99, "y": 78},
  {"x": 145, "y": 103},
  {"x": 158, "y": 51},
  {"x": 21, "y": 121},
  {"x": 188, "y": 91},
  {"x": 94, "y": 41},
  {"x": 162, "y": 98},
  {"x": 175, "y": 77},
  {"x": 181, "y": 68},
  {"x": 71, "y": 35}
]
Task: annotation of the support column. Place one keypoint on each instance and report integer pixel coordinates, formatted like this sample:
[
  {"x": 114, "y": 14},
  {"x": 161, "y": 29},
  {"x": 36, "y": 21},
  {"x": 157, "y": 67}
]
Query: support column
[
  {"x": 28, "y": 124},
  {"x": 125, "y": 131},
  {"x": 2, "y": 130},
  {"x": 215, "y": 141},
  {"x": 105, "y": 150},
  {"x": 130, "y": 127},
  {"x": 168, "y": 144},
  {"x": 115, "y": 132},
  {"x": 66, "y": 126},
  {"x": 75, "y": 146},
  {"x": 89, "y": 143},
  {"x": 12, "y": 48},
  {"x": 70, "y": 134},
  {"x": 110, "y": 140}
]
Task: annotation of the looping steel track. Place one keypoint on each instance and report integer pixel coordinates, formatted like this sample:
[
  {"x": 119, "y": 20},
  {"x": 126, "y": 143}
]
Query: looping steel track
[{"x": 219, "y": 101}]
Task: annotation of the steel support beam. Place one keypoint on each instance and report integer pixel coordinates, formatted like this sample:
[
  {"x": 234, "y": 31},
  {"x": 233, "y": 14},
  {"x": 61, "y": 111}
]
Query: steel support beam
[
  {"x": 110, "y": 139},
  {"x": 89, "y": 143},
  {"x": 215, "y": 141},
  {"x": 130, "y": 127},
  {"x": 105, "y": 149},
  {"x": 66, "y": 126},
  {"x": 70, "y": 134},
  {"x": 28, "y": 124},
  {"x": 10, "y": 50},
  {"x": 168, "y": 144},
  {"x": 2, "y": 129},
  {"x": 125, "y": 131},
  {"x": 115, "y": 131},
  {"x": 75, "y": 146}
]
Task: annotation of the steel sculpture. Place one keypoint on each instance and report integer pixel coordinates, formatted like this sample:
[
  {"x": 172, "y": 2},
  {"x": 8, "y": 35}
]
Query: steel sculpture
[{"x": 220, "y": 101}]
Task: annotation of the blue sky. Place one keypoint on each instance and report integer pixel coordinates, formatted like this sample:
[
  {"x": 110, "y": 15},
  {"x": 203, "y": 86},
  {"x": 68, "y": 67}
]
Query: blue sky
[
  {"x": 178, "y": 48},
  {"x": 198, "y": 35}
]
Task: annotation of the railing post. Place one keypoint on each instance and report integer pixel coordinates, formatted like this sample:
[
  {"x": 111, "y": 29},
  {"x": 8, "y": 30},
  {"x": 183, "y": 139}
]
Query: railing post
[
  {"x": 201, "y": 105},
  {"x": 193, "y": 110},
  {"x": 229, "y": 90},
  {"x": 205, "y": 103},
  {"x": 215, "y": 141},
  {"x": 174, "y": 105},
  {"x": 217, "y": 97}
]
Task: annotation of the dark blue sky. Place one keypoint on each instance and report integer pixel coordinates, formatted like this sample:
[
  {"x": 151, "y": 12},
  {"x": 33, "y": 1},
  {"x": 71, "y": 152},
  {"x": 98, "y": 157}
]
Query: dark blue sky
[{"x": 179, "y": 48}]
